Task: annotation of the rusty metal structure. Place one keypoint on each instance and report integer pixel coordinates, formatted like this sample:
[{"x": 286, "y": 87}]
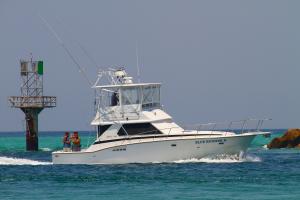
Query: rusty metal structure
[{"x": 32, "y": 101}]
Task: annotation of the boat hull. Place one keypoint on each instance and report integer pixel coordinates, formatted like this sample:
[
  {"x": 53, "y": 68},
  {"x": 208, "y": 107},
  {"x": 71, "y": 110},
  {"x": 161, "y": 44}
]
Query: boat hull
[{"x": 157, "y": 151}]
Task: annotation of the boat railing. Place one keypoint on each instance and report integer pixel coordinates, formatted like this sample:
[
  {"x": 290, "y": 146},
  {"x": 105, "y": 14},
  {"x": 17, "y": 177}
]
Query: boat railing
[
  {"x": 239, "y": 127},
  {"x": 214, "y": 128},
  {"x": 113, "y": 116}
]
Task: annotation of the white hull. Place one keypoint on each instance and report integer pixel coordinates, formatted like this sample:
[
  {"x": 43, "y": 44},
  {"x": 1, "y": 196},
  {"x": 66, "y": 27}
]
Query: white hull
[{"x": 156, "y": 150}]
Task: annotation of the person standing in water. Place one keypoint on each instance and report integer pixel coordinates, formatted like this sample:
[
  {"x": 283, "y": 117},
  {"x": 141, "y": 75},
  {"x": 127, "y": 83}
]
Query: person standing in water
[
  {"x": 75, "y": 142},
  {"x": 66, "y": 142}
]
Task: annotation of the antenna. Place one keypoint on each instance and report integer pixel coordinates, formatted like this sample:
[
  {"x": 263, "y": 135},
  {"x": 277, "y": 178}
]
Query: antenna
[
  {"x": 137, "y": 62},
  {"x": 50, "y": 28}
]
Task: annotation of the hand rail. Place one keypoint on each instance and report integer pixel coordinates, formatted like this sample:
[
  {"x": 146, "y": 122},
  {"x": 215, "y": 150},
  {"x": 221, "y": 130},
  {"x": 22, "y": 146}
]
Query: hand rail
[
  {"x": 32, "y": 101},
  {"x": 243, "y": 123}
]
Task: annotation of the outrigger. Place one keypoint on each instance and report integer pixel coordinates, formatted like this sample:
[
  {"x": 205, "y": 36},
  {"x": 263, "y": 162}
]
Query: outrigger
[{"x": 132, "y": 127}]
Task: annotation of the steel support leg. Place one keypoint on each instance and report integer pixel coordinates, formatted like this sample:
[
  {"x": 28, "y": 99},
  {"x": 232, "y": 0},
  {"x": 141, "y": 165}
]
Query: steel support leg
[{"x": 31, "y": 118}]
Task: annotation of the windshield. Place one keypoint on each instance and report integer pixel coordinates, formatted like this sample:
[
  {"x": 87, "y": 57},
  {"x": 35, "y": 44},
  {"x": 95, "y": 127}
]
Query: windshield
[
  {"x": 151, "y": 96},
  {"x": 139, "y": 97}
]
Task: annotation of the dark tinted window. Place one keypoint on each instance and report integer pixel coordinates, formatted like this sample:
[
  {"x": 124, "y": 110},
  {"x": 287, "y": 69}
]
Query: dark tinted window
[
  {"x": 138, "y": 129},
  {"x": 102, "y": 129}
]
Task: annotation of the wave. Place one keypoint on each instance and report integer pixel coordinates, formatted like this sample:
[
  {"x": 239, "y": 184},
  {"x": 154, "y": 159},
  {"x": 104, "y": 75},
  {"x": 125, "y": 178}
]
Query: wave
[
  {"x": 45, "y": 149},
  {"x": 21, "y": 161},
  {"x": 265, "y": 146},
  {"x": 222, "y": 159}
]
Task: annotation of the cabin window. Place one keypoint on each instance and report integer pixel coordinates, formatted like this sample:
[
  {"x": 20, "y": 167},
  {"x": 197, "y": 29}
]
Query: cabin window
[
  {"x": 130, "y": 96},
  {"x": 138, "y": 129},
  {"x": 151, "y": 96},
  {"x": 114, "y": 99},
  {"x": 102, "y": 129},
  {"x": 156, "y": 95},
  {"x": 108, "y": 97},
  {"x": 147, "y": 95}
]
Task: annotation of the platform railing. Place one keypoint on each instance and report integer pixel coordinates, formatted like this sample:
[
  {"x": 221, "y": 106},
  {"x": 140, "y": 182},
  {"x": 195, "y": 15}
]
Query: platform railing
[{"x": 38, "y": 101}]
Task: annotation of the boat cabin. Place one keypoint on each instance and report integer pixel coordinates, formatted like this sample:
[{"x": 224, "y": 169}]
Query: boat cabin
[
  {"x": 124, "y": 104},
  {"x": 126, "y": 108}
]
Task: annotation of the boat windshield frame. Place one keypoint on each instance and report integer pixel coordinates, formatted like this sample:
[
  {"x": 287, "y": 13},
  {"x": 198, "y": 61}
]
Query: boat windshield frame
[{"x": 128, "y": 97}]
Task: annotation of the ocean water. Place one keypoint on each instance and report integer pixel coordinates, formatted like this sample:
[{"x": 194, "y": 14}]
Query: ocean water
[{"x": 261, "y": 174}]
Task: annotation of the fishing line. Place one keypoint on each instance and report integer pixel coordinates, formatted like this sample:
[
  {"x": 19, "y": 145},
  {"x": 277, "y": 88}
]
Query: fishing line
[
  {"x": 51, "y": 29},
  {"x": 87, "y": 54}
]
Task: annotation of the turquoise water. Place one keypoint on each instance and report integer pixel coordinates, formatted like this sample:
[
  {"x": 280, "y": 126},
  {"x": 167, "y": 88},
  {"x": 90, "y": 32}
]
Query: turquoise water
[{"x": 263, "y": 174}]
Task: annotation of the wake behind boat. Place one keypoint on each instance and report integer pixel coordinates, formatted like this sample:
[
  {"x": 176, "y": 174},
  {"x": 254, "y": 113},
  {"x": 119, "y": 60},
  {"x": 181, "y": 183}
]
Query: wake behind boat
[{"x": 132, "y": 127}]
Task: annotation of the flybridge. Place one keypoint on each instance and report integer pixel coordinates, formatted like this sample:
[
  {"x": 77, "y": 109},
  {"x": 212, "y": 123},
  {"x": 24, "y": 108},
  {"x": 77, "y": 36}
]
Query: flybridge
[{"x": 121, "y": 99}]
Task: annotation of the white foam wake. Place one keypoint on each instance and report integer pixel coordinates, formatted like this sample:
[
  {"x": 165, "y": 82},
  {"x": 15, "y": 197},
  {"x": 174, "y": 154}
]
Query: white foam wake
[
  {"x": 265, "y": 146},
  {"x": 222, "y": 159},
  {"x": 21, "y": 161},
  {"x": 45, "y": 149}
]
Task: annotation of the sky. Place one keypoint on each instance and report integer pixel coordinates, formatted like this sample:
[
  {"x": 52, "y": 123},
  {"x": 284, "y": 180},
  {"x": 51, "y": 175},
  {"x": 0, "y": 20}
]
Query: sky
[{"x": 217, "y": 60}]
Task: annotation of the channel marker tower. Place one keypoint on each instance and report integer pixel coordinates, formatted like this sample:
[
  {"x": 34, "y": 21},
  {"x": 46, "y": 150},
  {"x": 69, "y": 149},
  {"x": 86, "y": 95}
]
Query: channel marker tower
[{"x": 32, "y": 101}]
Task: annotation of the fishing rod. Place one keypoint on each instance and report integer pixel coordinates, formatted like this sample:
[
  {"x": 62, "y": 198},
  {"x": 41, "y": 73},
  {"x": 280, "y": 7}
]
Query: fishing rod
[
  {"x": 81, "y": 69},
  {"x": 60, "y": 41},
  {"x": 87, "y": 54}
]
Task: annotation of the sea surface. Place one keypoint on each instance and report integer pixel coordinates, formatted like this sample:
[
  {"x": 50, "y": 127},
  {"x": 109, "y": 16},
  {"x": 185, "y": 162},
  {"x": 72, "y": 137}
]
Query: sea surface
[{"x": 261, "y": 174}]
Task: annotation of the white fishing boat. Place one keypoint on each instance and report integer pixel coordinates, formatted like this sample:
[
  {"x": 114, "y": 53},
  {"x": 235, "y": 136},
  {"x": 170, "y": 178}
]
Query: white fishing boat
[{"x": 132, "y": 127}]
